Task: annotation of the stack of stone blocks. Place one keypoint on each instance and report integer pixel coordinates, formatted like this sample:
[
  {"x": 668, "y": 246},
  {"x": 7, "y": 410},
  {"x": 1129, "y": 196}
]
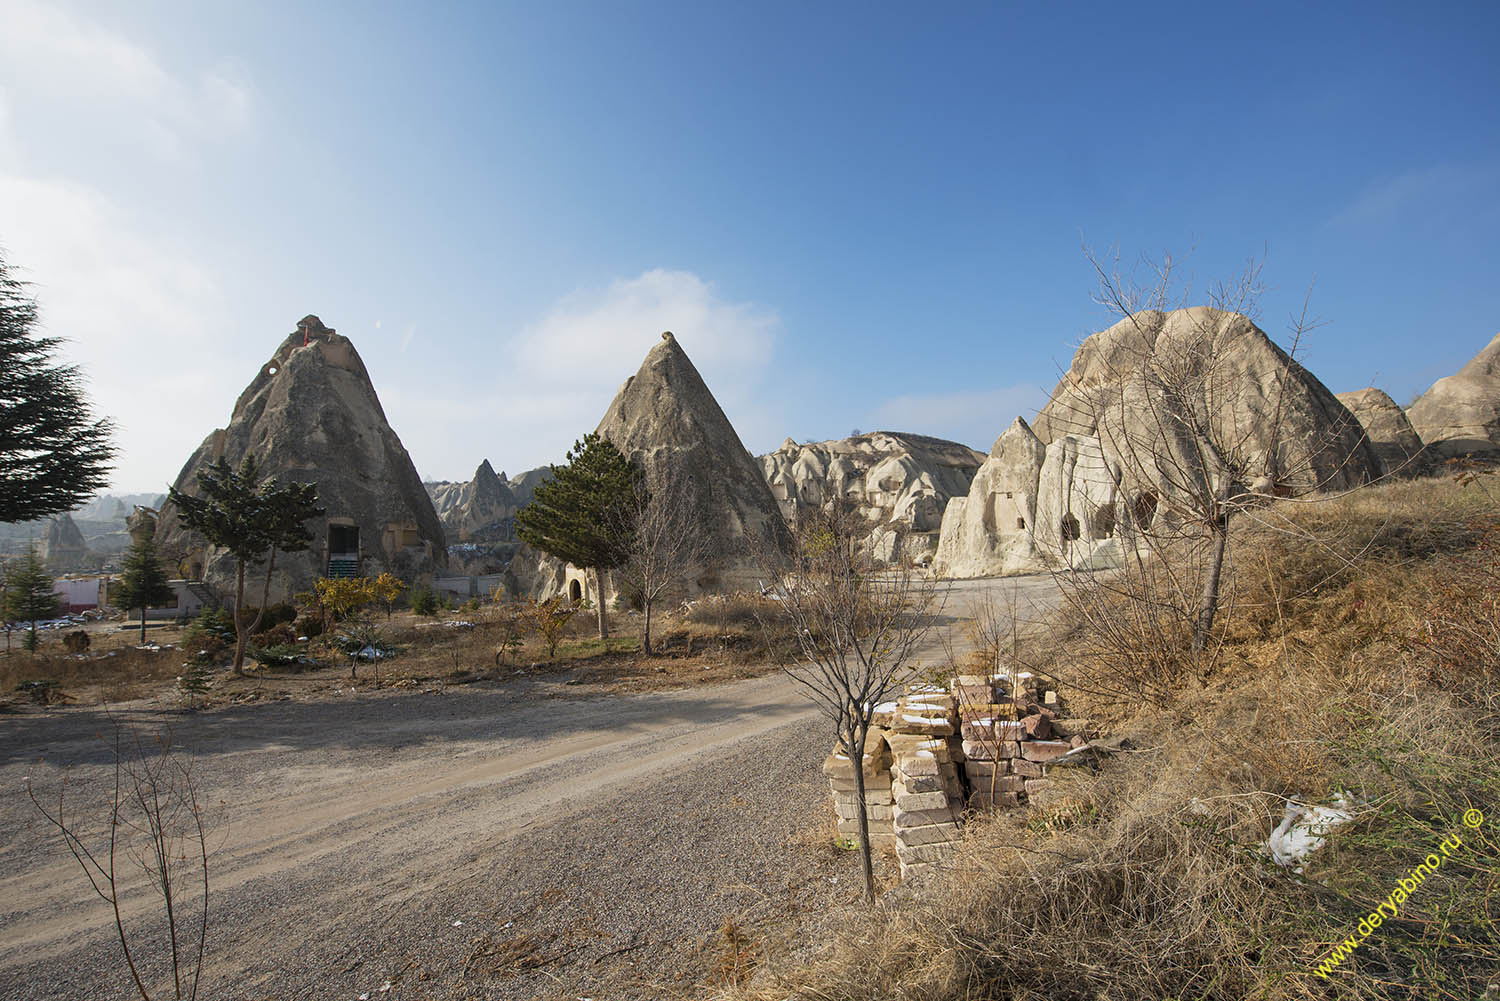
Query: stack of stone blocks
[
  {"x": 982, "y": 743},
  {"x": 877, "y": 806},
  {"x": 1012, "y": 729}
]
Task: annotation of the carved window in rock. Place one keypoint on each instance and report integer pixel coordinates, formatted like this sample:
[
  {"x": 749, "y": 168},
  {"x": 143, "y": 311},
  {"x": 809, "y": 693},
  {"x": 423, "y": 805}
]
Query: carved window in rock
[
  {"x": 1069, "y": 528},
  {"x": 1104, "y": 521},
  {"x": 1020, "y": 523},
  {"x": 1144, "y": 509}
]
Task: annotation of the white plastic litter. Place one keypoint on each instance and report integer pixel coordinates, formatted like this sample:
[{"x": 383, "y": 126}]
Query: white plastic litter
[{"x": 1304, "y": 829}]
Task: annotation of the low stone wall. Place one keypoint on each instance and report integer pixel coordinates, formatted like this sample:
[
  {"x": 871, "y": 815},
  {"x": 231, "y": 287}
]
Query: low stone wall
[{"x": 939, "y": 753}]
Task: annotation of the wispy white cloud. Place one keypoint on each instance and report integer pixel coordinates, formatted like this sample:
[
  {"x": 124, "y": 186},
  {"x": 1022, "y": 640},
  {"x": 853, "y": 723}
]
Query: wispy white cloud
[
  {"x": 138, "y": 307},
  {"x": 115, "y": 84},
  {"x": 1423, "y": 190},
  {"x": 553, "y": 381},
  {"x": 974, "y": 417},
  {"x": 592, "y": 336}
]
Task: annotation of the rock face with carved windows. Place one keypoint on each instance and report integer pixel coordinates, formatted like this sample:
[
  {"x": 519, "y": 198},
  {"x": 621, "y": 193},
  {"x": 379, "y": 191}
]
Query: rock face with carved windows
[
  {"x": 311, "y": 415},
  {"x": 1152, "y": 411}
]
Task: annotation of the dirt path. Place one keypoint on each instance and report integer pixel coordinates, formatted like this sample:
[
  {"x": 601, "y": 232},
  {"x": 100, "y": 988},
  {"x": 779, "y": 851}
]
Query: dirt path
[{"x": 581, "y": 840}]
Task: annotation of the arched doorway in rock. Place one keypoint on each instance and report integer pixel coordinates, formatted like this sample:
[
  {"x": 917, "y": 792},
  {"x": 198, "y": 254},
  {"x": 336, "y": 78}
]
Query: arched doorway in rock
[
  {"x": 575, "y": 591},
  {"x": 1069, "y": 528},
  {"x": 1104, "y": 521}
]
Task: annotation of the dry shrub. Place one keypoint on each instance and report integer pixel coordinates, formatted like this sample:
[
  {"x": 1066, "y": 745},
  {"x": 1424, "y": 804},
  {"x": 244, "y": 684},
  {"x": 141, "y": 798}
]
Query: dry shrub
[
  {"x": 1151, "y": 904},
  {"x": 740, "y": 611},
  {"x": 737, "y": 955},
  {"x": 820, "y": 839}
]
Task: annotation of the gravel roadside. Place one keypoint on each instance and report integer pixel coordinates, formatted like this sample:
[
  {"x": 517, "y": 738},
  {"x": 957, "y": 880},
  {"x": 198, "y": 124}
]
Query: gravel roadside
[{"x": 613, "y": 874}]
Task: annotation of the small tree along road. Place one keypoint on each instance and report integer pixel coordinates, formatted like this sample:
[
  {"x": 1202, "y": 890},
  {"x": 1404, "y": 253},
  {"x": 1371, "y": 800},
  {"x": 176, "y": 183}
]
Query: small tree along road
[
  {"x": 857, "y": 628},
  {"x": 1206, "y": 428},
  {"x": 663, "y": 546},
  {"x": 29, "y": 595},
  {"x": 54, "y": 454},
  {"x": 253, "y": 521},
  {"x": 144, "y": 582},
  {"x": 579, "y": 515}
]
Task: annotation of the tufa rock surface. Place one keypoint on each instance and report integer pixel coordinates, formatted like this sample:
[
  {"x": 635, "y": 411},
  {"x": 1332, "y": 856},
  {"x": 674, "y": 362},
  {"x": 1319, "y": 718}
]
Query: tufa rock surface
[
  {"x": 311, "y": 415},
  {"x": 1395, "y": 441},
  {"x": 1276, "y": 413},
  {"x": 901, "y": 483},
  {"x": 665, "y": 418},
  {"x": 1062, "y": 493},
  {"x": 1460, "y": 415},
  {"x": 990, "y": 531},
  {"x": 480, "y": 510}
]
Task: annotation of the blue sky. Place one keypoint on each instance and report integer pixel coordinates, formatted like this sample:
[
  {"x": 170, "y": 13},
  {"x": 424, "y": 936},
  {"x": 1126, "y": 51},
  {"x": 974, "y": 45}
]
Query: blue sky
[{"x": 852, "y": 215}]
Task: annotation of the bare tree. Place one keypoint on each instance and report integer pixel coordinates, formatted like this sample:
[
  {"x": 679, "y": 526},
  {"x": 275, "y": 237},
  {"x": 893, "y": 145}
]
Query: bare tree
[
  {"x": 156, "y": 822},
  {"x": 1192, "y": 439},
  {"x": 664, "y": 545},
  {"x": 858, "y": 628}
]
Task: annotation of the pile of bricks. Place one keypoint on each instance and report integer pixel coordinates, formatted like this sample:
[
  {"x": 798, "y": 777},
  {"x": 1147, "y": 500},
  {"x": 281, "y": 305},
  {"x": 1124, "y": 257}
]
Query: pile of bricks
[
  {"x": 1012, "y": 727},
  {"x": 935, "y": 753}
]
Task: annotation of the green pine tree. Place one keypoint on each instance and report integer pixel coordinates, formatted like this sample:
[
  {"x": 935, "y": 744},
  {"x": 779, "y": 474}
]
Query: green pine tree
[
  {"x": 29, "y": 595},
  {"x": 254, "y": 521},
  {"x": 580, "y": 516},
  {"x": 144, "y": 582},
  {"x": 54, "y": 453}
]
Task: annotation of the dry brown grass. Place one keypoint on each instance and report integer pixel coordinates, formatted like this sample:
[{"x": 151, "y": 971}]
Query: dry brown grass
[
  {"x": 113, "y": 670},
  {"x": 434, "y": 651},
  {"x": 1360, "y": 657}
]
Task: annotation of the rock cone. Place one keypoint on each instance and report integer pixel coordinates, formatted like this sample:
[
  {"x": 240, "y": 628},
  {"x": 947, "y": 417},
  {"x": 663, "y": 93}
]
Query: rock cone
[
  {"x": 481, "y": 510},
  {"x": 1261, "y": 398},
  {"x": 665, "y": 418},
  {"x": 64, "y": 548},
  {"x": 1395, "y": 441},
  {"x": 311, "y": 415},
  {"x": 1460, "y": 415}
]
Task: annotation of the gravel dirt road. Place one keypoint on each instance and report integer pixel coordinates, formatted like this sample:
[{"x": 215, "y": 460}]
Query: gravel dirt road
[{"x": 512, "y": 840}]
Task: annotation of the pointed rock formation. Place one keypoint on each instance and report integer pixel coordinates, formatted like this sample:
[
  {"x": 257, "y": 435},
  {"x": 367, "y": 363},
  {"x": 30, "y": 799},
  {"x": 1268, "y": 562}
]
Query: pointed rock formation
[
  {"x": 1460, "y": 415},
  {"x": 991, "y": 530},
  {"x": 481, "y": 510},
  {"x": 1395, "y": 441},
  {"x": 64, "y": 548},
  {"x": 311, "y": 415},
  {"x": 666, "y": 418},
  {"x": 900, "y": 482}
]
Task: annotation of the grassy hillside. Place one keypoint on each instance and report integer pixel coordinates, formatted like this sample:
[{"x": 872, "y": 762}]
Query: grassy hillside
[{"x": 1359, "y": 652}]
